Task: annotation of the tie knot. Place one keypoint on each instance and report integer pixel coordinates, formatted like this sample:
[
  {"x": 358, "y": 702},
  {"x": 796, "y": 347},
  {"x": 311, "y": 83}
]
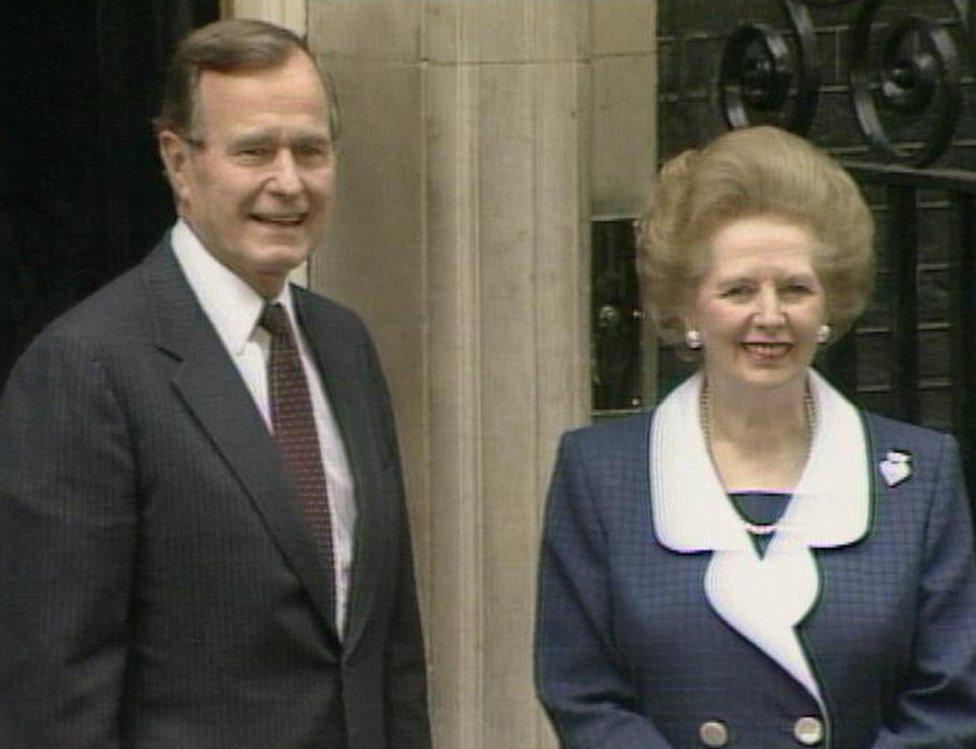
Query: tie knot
[{"x": 274, "y": 320}]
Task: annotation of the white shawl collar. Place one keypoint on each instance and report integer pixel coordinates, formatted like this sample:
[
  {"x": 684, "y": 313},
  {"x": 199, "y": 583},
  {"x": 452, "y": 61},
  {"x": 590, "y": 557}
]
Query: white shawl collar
[{"x": 761, "y": 598}]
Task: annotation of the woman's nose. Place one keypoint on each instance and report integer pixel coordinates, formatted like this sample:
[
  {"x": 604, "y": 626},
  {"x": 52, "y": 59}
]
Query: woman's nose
[{"x": 769, "y": 310}]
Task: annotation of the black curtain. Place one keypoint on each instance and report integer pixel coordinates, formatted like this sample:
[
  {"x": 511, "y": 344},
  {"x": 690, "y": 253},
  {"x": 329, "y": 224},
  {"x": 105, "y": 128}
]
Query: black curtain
[{"x": 82, "y": 196}]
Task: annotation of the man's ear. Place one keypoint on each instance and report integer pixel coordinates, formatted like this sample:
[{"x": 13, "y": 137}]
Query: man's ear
[{"x": 173, "y": 152}]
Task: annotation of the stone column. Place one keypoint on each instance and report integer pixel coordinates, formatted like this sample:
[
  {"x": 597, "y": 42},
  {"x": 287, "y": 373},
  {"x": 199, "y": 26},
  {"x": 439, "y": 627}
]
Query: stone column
[
  {"x": 462, "y": 236},
  {"x": 288, "y": 13}
]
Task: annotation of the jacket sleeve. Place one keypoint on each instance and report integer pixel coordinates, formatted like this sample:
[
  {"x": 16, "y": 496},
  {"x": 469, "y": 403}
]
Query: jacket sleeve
[
  {"x": 406, "y": 681},
  {"x": 67, "y": 540},
  {"x": 937, "y": 707},
  {"x": 579, "y": 676},
  {"x": 405, "y": 669}
]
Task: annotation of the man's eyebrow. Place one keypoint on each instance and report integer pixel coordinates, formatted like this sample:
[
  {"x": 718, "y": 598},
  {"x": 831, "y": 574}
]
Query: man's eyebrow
[
  {"x": 252, "y": 138},
  {"x": 264, "y": 135},
  {"x": 732, "y": 280},
  {"x": 312, "y": 137}
]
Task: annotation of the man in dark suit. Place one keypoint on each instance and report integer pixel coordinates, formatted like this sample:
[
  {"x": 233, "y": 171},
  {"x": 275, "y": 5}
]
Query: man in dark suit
[{"x": 203, "y": 538}]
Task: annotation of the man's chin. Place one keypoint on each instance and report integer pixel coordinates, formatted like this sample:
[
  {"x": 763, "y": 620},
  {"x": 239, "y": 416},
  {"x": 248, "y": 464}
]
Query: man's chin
[
  {"x": 268, "y": 280},
  {"x": 278, "y": 256}
]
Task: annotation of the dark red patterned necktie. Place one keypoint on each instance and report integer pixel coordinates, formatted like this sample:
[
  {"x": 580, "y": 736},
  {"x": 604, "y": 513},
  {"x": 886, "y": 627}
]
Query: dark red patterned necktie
[{"x": 294, "y": 429}]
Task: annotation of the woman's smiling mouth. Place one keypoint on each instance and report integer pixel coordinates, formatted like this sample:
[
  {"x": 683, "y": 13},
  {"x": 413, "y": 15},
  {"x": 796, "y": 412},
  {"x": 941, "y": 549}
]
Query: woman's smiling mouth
[{"x": 767, "y": 350}]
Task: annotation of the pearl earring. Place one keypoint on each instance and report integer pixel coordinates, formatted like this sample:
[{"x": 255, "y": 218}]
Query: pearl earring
[
  {"x": 823, "y": 334},
  {"x": 693, "y": 339}
]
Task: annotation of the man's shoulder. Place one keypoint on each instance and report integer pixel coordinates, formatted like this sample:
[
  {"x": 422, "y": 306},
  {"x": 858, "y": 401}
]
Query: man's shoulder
[
  {"x": 114, "y": 315},
  {"x": 321, "y": 303},
  {"x": 318, "y": 311},
  {"x": 109, "y": 311}
]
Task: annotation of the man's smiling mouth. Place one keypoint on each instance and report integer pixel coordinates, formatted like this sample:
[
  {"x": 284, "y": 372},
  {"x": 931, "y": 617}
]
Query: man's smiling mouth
[{"x": 279, "y": 219}]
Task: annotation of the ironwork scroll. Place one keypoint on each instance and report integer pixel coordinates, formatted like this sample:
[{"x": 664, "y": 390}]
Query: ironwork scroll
[{"x": 905, "y": 66}]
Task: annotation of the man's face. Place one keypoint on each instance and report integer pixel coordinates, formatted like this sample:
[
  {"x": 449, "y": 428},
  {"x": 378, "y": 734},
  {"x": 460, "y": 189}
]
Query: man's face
[{"x": 255, "y": 180}]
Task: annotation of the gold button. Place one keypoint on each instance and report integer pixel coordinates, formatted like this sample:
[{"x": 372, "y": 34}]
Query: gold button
[
  {"x": 808, "y": 730},
  {"x": 713, "y": 733}
]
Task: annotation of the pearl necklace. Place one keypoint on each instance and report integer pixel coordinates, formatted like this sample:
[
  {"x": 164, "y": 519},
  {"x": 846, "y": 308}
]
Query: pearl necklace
[{"x": 704, "y": 411}]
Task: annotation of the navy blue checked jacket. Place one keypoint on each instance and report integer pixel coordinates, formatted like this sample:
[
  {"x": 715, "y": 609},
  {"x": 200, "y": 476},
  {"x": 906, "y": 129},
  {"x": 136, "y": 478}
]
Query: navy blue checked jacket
[{"x": 631, "y": 653}]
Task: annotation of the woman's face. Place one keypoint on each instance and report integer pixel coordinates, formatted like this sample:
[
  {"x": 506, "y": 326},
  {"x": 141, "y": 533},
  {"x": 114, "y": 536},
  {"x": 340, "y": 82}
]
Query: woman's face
[{"x": 759, "y": 306}]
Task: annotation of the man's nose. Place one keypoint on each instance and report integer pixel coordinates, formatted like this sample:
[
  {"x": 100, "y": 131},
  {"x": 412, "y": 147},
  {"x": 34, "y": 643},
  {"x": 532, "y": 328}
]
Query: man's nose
[{"x": 285, "y": 176}]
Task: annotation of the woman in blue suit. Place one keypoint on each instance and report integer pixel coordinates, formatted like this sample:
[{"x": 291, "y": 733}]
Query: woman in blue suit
[{"x": 757, "y": 563}]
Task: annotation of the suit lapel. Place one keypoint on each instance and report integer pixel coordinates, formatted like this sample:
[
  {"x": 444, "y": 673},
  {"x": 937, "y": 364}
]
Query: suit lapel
[
  {"x": 341, "y": 365},
  {"x": 211, "y": 387}
]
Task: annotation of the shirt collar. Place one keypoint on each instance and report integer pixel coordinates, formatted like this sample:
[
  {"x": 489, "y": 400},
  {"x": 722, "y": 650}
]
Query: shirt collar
[
  {"x": 232, "y": 306},
  {"x": 831, "y": 503}
]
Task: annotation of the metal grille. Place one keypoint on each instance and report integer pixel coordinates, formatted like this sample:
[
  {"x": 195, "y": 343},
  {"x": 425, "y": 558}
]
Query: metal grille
[{"x": 889, "y": 87}]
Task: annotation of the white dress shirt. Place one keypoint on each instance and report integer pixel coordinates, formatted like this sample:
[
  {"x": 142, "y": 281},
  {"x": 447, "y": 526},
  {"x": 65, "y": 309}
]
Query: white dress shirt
[{"x": 233, "y": 308}]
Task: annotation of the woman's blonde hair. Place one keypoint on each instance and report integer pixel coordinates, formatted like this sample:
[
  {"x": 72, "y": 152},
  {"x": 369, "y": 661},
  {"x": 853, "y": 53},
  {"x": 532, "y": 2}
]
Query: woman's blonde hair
[{"x": 753, "y": 172}]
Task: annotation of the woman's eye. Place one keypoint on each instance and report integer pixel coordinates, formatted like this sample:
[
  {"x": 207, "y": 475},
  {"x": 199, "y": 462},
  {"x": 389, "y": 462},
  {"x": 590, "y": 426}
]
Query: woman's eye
[
  {"x": 734, "y": 292},
  {"x": 797, "y": 289}
]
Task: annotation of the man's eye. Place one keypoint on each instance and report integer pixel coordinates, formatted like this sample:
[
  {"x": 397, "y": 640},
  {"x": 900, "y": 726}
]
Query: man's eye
[
  {"x": 254, "y": 152},
  {"x": 314, "y": 152}
]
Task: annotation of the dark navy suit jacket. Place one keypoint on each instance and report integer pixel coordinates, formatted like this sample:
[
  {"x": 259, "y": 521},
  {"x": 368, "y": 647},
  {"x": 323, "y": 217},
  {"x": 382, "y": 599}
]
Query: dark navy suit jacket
[
  {"x": 158, "y": 585},
  {"x": 630, "y": 653}
]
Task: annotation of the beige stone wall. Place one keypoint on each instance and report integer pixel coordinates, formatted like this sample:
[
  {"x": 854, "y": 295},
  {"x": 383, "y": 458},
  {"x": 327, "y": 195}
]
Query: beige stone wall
[
  {"x": 479, "y": 136},
  {"x": 288, "y": 13},
  {"x": 623, "y": 146}
]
